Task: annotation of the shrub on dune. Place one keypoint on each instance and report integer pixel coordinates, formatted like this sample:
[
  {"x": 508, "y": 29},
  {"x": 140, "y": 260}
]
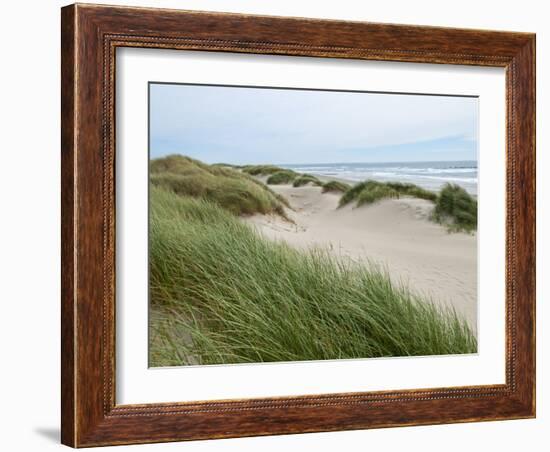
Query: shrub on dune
[
  {"x": 306, "y": 179},
  {"x": 456, "y": 208},
  {"x": 261, "y": 170},
  {"x": 335, "y": 186},
  {"x": 367, "y": 192},
  {"x": 370, "y": 191},
  {"x": 226, "y": 165},
  {"x": 281, "y": 177},
  {"x": 376, "y": 193},
  {"x": 232, "y": 190},
  {"x": 453, "y": 206},
  {"x": 413, "y": 190}
]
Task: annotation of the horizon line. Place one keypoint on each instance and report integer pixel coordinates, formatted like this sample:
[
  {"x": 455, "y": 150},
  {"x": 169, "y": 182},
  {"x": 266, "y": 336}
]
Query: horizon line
[
  {"x": 386, "y": 161},
  {"x": 314, "y": 163}
]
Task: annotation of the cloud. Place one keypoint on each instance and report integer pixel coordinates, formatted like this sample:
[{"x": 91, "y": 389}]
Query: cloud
[{"x": 251, "y": 125}]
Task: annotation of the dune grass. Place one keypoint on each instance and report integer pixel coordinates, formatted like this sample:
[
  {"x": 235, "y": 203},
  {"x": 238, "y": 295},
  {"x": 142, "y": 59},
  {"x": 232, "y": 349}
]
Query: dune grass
[
  {"x": 456, "y": 208},
  {"x": 281, "y": 177},
  {"x": 306, "y": 179},
  {"x": 231, "y": 189},
  {"x": 262, "y": 170},
  {"x": 335, "y": 186},
  {"x": 370, "y": 191},
  {"x": 226, "y": 165},
  {"x": 412, "y": 190},
  {"x": 278, "y": 176},
  {"x": 220, "y": 293},
  {"x": 367, "y": 192}
]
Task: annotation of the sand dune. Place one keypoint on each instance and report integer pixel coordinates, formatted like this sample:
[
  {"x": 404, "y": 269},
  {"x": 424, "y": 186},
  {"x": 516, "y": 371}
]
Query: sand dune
[{"x": 396, "y": 233}]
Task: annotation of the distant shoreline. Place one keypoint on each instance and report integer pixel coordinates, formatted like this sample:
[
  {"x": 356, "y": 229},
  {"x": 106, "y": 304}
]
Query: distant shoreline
[
  {"x": 403, "y": 162},
  {"x": 430, "y": 175}
]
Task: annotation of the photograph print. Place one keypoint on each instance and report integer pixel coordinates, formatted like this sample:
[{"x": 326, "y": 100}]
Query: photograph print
[{"x": 303, "y": 224}]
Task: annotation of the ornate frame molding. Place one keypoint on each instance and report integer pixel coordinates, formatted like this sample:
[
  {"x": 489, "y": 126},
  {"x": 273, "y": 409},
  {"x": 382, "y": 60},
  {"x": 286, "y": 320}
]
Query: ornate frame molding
[{"x": 90, "y": 36}]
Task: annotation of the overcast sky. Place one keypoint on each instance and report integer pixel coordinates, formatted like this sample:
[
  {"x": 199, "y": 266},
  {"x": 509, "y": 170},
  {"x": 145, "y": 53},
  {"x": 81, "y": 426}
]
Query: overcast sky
[{"x": 251, "y": 125}]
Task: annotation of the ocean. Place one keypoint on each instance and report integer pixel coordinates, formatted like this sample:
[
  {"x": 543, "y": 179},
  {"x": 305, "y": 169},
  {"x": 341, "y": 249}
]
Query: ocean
[{"x": 429, "y": 175}]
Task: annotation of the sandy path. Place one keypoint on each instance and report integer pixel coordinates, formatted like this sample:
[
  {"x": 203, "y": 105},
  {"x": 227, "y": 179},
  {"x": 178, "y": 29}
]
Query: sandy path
[{"x": 395, "y": 233}]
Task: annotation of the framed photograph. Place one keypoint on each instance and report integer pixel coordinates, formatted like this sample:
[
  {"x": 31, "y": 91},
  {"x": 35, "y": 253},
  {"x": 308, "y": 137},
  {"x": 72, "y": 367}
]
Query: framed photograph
[{"x": 281, "y": 225}]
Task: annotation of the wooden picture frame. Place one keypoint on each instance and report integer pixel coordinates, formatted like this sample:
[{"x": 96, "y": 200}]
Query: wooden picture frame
[{"x": 90, "y": 36}]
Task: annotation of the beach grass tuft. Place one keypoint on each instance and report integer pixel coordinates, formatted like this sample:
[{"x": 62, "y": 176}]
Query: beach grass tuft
[
  {"x": 233, "y": 190},
  {"x": 281, "y": 177},
  {"x": 221, "y": 293},
  {"x": 226, "y": 165},
  {"x": 412, "y": 190},
  {"x": 335, "y": 186},
  {"x": 367, "y": 192},
  {"x": 370, "y": 191},
  {"x": 306, "y": 179},
  {"x": 261, "y": 170},
  {"x": 456, "y": 208}
]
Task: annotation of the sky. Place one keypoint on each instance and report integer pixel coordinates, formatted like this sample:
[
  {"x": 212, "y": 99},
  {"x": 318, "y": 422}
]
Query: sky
[{"x": 241, "y": 125}]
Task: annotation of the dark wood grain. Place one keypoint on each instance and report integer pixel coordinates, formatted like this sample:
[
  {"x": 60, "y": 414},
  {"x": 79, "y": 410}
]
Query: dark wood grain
[
  {"x": 90, "y": 36},
  {"x": 67, "y": 226}
]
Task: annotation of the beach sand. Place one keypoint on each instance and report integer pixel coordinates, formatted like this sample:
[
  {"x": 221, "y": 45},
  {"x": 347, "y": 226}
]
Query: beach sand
[{"x": 395, "y": 233}]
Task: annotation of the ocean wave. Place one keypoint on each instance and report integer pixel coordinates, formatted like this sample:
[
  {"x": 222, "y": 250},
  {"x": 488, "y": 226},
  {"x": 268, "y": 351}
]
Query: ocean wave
[
  {"x": 412, "y": 177},
  {"x": 430, "y": 176},
  {"x": 388, "y": 171}
]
